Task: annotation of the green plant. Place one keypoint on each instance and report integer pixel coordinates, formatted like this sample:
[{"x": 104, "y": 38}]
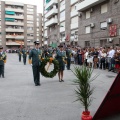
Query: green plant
[{"x": 83, "y": 81}]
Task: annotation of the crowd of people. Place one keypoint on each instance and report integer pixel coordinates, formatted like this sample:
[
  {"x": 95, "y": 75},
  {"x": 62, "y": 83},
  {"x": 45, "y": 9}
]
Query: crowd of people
[{"x": 99, "y": 57}]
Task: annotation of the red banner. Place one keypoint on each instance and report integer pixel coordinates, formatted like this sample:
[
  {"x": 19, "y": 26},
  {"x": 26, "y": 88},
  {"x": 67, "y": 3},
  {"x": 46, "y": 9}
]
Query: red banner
[
  {"x": 67, "y": 38},
  {"x": 113, "y": 30}
]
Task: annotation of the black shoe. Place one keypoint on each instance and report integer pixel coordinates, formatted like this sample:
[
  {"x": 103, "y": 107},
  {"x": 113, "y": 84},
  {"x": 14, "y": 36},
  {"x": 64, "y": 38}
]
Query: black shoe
[
  {"x": 62, "y": 80},
  {"x": 37, "y": 84}
]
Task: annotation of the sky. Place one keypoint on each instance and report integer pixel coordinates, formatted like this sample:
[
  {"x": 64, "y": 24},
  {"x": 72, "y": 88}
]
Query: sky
[{"x": 39, "y": 3}]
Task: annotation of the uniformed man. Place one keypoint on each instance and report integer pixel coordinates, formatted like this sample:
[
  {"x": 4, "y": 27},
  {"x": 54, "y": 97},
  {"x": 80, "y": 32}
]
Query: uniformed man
[
  {"x": 19, "y": 54},
  {"x": 50, "y": 51},
  {"x": 2, "y": 61},
  {"x": 24, "y": 53},
  {"x": 35, "y": 59},
  {"x": 68, "y": 54}
]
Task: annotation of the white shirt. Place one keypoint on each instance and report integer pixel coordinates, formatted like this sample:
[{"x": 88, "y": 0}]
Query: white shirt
[
  {"x": 111, "y": 53},
  {"x": 103, "y": 54}
]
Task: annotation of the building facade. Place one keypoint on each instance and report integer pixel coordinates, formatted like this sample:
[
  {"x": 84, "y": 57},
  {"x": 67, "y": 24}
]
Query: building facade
[
  {"x": 82, "y": 22},
  {"x": 60, "y": 21},
  {"x": 18, "y": 25},
  {"x": 99, "y": 23}
]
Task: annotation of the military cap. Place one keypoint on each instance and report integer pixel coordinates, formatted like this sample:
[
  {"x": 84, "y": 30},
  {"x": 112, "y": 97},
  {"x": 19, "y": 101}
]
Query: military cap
[
  {"x": 1, "y": 47},
  {"x": 60, "y": 46},
  {"x": 36, "y": 42}
]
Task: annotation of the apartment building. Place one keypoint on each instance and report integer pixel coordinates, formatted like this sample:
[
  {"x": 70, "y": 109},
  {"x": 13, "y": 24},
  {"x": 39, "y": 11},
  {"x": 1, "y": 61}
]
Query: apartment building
[
  {"x": 99, "y": 23},
  {"x": 18, "y": 23},
  {"x": 82, "y": 22},
  {"x": 60, "y": 21}
]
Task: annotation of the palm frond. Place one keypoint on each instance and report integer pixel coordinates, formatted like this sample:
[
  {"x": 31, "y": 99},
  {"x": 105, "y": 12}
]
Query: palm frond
[{"x": 83, "y": 80}]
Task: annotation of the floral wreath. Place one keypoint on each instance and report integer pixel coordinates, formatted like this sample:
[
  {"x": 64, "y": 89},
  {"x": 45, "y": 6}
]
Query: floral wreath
[{"x": 45, "y": 72}]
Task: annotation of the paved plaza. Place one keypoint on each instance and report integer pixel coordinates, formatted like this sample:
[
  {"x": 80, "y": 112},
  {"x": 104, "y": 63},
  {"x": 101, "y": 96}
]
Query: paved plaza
[{"x": 21, "y": 100}]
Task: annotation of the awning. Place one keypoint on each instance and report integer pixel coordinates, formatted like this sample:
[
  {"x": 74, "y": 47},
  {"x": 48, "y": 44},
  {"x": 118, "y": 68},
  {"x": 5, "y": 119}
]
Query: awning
[
  {"x": 53, "y": 45},
  {"x": 10, "y": 19},
  {"x": 47, "y": 1},
  {"x": 9, "y": 12}
]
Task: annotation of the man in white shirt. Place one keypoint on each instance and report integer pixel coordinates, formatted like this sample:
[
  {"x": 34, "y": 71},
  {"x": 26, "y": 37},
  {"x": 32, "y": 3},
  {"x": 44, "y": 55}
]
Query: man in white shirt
[{"x": 110, "y": 56}]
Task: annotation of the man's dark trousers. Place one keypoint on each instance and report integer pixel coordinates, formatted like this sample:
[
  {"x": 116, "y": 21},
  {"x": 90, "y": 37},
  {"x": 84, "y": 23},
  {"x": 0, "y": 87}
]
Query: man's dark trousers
[
  {"x": 36, "y": 74},
  {"x": 68, "y": 63}
]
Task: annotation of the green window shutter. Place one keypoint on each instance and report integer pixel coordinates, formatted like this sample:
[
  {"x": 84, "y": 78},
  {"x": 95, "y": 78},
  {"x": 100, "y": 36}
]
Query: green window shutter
[
  {"x": 10, "y": 19},
  {"x": 9, "y": 12},
  {"x": 47, "y": 1}
]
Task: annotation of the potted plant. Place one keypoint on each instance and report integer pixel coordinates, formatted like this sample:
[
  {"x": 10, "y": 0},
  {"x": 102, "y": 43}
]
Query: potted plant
[{"x": 84, "y": 91}]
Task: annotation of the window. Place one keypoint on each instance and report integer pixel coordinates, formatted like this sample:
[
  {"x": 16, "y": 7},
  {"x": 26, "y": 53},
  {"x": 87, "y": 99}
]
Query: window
[
  {"x": 73, "y": 8},
  {"x": 104, "y": 8},
  {"x": 62, "y": 24},
  {"x": 62, "y": 14},
  {"x": 103, "y": 25},
  {"x": 87, "y": 14},
  {"x": 29, "y": 16},
  {"x": 74, "y": 20},
  {"x": 87, "y": 29},
  {"x": 87, "y": 43},
  {"x": 62, "y": 3}
]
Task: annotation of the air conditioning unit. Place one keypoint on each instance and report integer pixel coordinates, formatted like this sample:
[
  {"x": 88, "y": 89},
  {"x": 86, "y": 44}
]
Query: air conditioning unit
[
  {"x": 80, "y": 14},
  {"x": 109, "y": 20},
  {"x": 110, "y": 40},
  {"x": 92, "y": 25},
  {"x": 103, "y": 28}
]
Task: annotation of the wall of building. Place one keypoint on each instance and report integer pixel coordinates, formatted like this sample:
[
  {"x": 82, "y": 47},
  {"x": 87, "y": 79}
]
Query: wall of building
[{"x": 96, "y": 34}]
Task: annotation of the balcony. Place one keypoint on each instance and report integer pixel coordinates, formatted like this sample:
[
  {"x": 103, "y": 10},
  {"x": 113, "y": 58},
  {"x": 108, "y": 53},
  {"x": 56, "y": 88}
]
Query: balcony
[
  {"x": 52, "y": 2},
  {"x": 62, "y": 19},
  {"x": 14, "y": 30},
  {"x": 30, "y": 12},
  {"x": 15, "y": 23},
  {"x": 30, "y": 25},
  {"x": 73, "y": 2},
  {"x": 30, "y": 18},
  {"x": 30, "y": 37},
  {"x": 62, "y": 29},
  {"x": 51, "y": 22},
  {"x": 30, "y": 43},
  {"x": 62, "y": 8},
  {"x": 14, "y": 3},
  {"x": 14, "y": 16},
  {"x": 75, "y": 13},
  {"x": 15, "y": 36},
  {"x": 62, "y": 40},
  {"x": 45, "y": 27},
  {"x": 87, "y": 4},
  {"x": 14, "y": 43},
  {"x": 74, "y": 26},
  {"x": 30, "y": 31},
  {"x": 51, "y": 12},
  {"x": 15, "y": 9}
]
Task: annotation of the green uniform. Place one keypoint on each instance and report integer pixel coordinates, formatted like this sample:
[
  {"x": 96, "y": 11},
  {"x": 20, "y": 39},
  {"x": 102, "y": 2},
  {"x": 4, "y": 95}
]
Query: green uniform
[
  {"x": 35, "y": 55},
  {"x": 24, "y": 52},
  {"x": 50, "y": 52},
  {"x": 2, "y": 58},
  {"x": 19, "y": 54},
  {"x": 68, "y": 54},
  {"x": 60, "y": 57}
]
